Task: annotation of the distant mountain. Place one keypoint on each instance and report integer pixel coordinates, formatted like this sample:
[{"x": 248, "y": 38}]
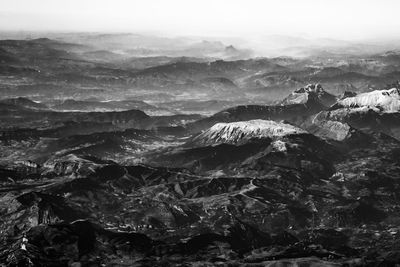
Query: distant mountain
[
  {"x": 206, "y": 107},
  {"x": 77, "y": 65},
  {"x": 102, "y": 56},
  {"x": 27, "y": 118},
  {"x": 335, "y": 79},
  {"x": 85, "y": 105},
  {"x": 142, "y": 45},
  {"x": 196, "y": 71},
  {"x": 28, "y": 50},
  {"x": 327, "y": 72},
  {"x": 271, "y": 80},
  {"x": 152, "y": 61}
]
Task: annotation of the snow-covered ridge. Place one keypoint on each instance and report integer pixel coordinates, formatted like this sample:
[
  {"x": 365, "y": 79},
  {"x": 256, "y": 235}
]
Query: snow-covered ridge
[
  {"x": 385, "y": 100},
  {"x": 237, "y": 132}
]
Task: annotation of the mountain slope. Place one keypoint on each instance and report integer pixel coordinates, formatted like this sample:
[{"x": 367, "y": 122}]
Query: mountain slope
[{"x": 242, "y": 131}]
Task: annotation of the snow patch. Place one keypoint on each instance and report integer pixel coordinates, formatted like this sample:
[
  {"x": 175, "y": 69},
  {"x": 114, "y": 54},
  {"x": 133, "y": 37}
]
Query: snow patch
[{"x": 279, "y": 146}]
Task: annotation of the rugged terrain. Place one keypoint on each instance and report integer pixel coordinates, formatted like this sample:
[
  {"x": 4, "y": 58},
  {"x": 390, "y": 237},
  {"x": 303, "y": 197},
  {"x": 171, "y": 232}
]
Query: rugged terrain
[{"x": 193, "y": 159}]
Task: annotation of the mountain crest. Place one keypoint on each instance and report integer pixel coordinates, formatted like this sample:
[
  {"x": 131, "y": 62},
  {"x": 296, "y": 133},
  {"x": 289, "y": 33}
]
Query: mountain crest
[
  {"x": 383, "y": 100},
  {"x": 242, "y": 131},
  {"x": 312, "y": 91},
  {"x": 311, "y": 88}
]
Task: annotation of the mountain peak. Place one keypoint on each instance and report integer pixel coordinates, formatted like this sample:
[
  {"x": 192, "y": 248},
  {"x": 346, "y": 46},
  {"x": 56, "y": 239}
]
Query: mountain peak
[
  {"x": 303, "y": 94},
  {"x": 310, "y": 88},
  {"x": 384, "y": 100},
  {"x": 230, "y": 48},
  {"x": 242, "y": 131}
]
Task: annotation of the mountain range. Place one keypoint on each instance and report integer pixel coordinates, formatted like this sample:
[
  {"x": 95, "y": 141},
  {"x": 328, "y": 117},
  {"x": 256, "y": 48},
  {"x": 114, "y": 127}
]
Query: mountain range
[{"x": 131, "y": 150}]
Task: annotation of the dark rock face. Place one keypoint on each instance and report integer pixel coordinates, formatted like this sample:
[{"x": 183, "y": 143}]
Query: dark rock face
[{"x": 308, "y": 93}]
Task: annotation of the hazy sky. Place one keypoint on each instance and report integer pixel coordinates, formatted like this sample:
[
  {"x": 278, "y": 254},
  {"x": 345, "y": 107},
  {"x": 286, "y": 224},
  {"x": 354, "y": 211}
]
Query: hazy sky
[{"x": 344, "y": 19}]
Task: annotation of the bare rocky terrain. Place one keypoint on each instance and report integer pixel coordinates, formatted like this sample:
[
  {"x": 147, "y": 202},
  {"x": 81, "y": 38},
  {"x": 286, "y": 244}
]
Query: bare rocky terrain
[{"x": 197, "y": 156}]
